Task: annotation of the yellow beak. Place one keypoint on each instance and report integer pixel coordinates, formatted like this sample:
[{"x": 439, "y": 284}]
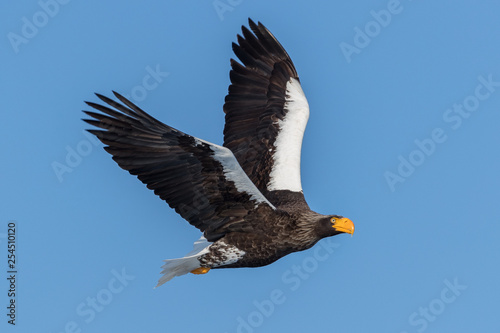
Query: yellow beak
[{"x": 344, "y": 225}]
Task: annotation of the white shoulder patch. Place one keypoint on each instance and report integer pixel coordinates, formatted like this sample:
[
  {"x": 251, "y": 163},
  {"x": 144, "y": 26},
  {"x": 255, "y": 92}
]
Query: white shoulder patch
[
  {"x": 234, "y": 173},
  {"x": 285, "y": 174}
]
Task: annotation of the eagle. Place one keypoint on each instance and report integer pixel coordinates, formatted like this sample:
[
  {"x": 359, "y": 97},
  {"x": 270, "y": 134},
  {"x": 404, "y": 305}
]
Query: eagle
[{"x": 244, "y": 196}]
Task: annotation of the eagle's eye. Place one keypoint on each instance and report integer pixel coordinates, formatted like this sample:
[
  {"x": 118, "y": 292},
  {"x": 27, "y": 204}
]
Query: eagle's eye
[{"x": 332, "y": 220}]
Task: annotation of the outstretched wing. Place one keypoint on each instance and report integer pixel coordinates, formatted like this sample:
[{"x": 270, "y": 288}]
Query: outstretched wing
[
  {"x": 266, "y": 115},
  {"x": 203, "y": 182}
]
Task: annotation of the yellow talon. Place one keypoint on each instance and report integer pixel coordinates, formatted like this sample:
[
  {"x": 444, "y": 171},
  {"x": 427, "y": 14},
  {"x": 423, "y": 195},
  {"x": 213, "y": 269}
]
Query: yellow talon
[{"x": 200, "y": 270}]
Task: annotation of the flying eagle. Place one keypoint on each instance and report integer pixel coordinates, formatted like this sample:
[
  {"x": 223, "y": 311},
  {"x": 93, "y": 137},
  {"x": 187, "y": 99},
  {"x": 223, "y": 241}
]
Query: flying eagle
[{"x": 246, "y": 195}]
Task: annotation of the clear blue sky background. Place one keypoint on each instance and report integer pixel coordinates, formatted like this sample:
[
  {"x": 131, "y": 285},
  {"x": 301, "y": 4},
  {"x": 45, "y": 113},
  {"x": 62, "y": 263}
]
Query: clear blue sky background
[{"x": 425, "y": 254}]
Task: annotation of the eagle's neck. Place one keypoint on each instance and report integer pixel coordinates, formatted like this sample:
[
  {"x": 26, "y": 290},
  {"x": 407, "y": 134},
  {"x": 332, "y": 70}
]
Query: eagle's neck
[{"x": 306, "y": 228}]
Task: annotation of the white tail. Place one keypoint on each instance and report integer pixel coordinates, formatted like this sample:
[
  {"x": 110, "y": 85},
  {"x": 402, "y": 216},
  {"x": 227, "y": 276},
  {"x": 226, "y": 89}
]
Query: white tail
[{"x": 181, "y": 266}]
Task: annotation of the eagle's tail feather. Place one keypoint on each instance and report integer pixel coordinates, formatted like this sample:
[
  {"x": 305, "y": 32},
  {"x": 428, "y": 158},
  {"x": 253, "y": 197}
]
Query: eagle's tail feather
[{"x": 181, "y": 266}]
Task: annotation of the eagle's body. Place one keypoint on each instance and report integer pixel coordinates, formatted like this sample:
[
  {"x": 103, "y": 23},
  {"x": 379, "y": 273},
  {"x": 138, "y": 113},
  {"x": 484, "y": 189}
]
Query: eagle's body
[
  {"x": 269, "y": 240},
  {"x": 245, "y": 196}
]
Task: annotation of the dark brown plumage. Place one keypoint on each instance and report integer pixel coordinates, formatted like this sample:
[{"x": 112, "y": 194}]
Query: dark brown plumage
[{"x": 246, "y": 196}]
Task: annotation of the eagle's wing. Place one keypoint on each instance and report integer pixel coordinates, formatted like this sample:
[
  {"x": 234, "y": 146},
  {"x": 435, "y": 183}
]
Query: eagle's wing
[
  {"x": 202, "y": 181},
  {"x": 266, "y": 115}
]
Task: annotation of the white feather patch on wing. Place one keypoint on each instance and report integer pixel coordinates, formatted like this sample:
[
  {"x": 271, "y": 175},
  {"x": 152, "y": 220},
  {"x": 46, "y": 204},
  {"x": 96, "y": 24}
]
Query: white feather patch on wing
[
  {"x": 285, "y": 174},
  {"x": 234, "y": 173},
  {"x": 181, "y": 266}
]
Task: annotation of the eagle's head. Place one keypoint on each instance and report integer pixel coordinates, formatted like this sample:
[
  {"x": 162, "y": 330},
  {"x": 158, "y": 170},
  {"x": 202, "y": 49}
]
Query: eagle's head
[{"x": 334, "y": 224}]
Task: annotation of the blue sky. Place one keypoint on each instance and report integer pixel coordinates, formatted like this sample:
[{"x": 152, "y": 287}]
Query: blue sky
[{"x": 403, "y": 139}]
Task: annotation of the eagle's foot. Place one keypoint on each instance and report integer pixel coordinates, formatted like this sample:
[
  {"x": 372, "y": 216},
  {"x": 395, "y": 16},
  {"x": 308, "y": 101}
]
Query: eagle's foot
[{"x": 200, "y": 270}]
